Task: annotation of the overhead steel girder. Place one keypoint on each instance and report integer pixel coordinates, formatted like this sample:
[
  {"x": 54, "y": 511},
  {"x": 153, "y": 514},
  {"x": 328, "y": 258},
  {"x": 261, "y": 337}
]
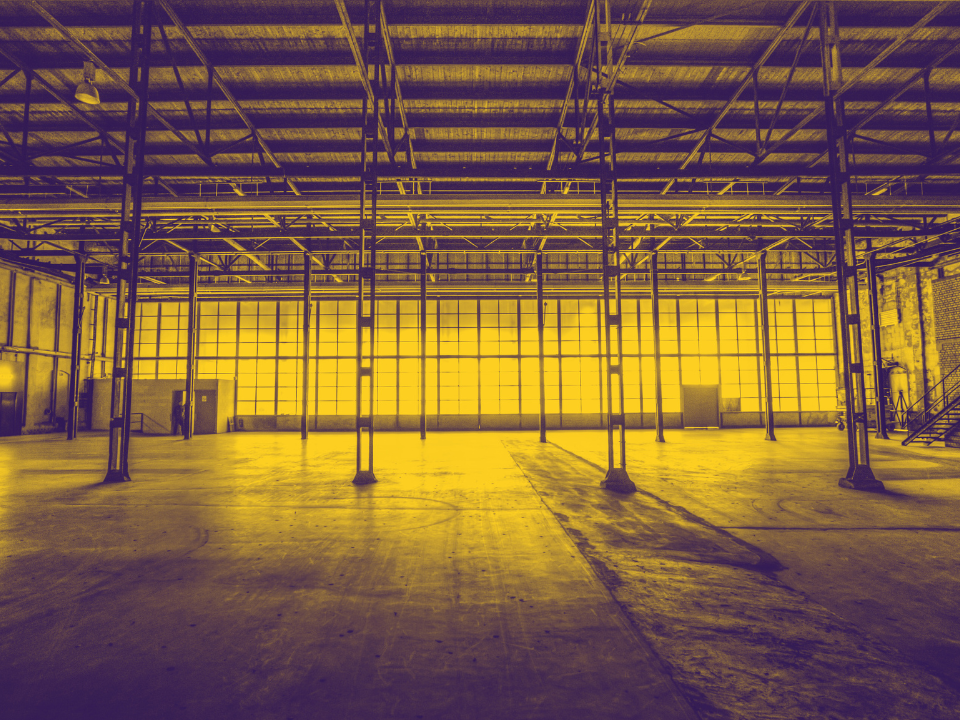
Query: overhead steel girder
[
  {"x": 859, "y": 73},
  {"x": 708, "y": 132},
  {"x": 753, "y": 234},
  {"x": 633, "y": 172},
  {"x": 128, "y": 88},
  {"x": 218, "y": 81},
  {"x": 490, "y": 206},
  {"x": 294, "y": 290}
]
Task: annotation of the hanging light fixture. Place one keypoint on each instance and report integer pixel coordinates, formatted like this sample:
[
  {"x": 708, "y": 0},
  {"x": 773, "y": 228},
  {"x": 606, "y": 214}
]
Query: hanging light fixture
[{"x": 86, "y": 92}]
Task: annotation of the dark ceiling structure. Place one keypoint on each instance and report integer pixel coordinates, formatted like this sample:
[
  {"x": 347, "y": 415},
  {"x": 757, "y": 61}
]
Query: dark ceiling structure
[{"x": 489, "y": 142}]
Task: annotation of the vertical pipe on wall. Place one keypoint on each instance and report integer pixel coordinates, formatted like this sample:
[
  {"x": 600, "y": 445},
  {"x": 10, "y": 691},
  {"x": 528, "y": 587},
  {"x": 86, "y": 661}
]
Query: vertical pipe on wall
[
  {"x": 73, "y": 403},
  {"x": 129, "y": 255},
  {"x": 657, "y": 374},
  {"x": 305, "y": 357},
  {"x": 880, "y": 389},
  {"x": 763, "y": 315},
  {"x": 423, "y": 346},
  {"x": 55, "y": 375},
  {"x": 542, "y": 422},
  {"x": 922, "y": 335},
  {"x": 189, "y": 393}
]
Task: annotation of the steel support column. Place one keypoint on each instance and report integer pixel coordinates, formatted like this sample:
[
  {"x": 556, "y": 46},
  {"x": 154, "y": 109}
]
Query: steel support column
[
  {"x": 305, "y": 357},
  {"x": 543, "y": 397},
  {"x": 657, "y": 375},
  {"x": 859, "y": 474},
  {"x": 616, "y": 478},
  {"x": 129, "y": 251},
  {"x": 76, "y": 347},
  {"x": 190, "y": 393},
  {"x": 766, "y": 371},
  {"x": 367, "y": 255},
  {"x": 880, "y": 380},
  {"x": 423, "y": 346}
]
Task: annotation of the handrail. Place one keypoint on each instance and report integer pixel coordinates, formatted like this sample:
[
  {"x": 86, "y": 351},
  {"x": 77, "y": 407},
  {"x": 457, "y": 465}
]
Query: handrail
[
  {"x": 132, "y": 421},
  {"x": 934, "y": 408}
]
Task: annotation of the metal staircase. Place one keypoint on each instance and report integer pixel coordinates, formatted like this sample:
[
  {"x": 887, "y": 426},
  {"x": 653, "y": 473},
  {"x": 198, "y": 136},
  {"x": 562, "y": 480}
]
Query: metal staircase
[{"x": 941, "y": 413}]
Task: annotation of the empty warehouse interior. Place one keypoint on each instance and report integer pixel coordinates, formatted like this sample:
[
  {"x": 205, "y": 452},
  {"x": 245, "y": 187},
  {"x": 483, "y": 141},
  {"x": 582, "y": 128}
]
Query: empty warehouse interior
[{"x": 489, "y": 359}]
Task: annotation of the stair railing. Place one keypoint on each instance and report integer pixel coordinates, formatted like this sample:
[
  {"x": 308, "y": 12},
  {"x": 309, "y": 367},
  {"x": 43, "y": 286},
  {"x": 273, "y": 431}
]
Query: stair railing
[{"x": 934, "y": 401}]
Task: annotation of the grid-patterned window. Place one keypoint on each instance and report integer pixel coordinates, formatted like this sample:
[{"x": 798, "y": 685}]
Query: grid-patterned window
[
  {"x": 783, "y": 339},
  {"x": 483, "y": 354},
  {"x": 336, "y": 328},
  {"x": 740, "y": 379},
  {"x": 698, "y": 327},
  {"x": 737, "y": 326},
  {"x": 499, "y": 385},
  {"x": 453, "y": 332},
  {"x": 580, "y": 369},
  {"x": 336, "y": 386}
]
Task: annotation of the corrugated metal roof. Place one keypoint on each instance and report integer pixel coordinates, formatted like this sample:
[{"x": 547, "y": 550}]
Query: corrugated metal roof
[{"x": 483, "y": 84}]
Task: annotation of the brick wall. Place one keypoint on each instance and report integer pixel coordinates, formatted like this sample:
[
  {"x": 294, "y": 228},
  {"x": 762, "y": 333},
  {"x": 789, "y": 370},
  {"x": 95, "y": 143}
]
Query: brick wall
[{"x": 946, "y": 308}]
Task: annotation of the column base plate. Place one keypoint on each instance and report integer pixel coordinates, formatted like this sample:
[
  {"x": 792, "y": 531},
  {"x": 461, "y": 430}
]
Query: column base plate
[
  {"x": 617, "y": 480},
  {"x": 862, "y": 479}
]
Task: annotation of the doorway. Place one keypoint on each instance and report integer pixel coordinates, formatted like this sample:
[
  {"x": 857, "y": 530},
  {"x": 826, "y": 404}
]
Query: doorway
[
  {"x": 9, "y": 415},
  {"x": 205, "y": 415},
  {"x": 205, "y": 410},
  {"x": 701, "y": 406}
]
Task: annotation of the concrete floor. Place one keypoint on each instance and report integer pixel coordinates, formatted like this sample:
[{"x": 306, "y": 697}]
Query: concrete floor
[{"x": 484, "y": 576}]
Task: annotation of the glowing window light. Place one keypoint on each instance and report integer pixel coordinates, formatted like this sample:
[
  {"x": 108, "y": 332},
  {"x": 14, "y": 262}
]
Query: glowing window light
[{"x": 712, "y": 331}]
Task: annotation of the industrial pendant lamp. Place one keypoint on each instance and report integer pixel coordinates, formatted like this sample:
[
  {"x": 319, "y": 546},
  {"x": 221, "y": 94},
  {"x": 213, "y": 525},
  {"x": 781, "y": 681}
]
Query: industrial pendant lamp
[{"x": 86, "y": 92}]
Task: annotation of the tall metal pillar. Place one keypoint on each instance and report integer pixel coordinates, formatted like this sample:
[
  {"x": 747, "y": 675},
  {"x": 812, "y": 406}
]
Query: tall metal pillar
[
  {"x": 190, "y": 407},
  {"x": 763, "y": 316},
  {"x": 305, "y": 357},
  {"x": 76, "y": 347},
  {"x": 129, "y": 255},
  {"x": 657, "y": 374},
  {"x": 423, "y": 346},
  {"x": 367, "y": 255},
  {"x": 616, "y": 478},
  {"x": 880, "y": 380},
  {"x": 859, "y": 473},
  {"x": 542, "y": 371}
]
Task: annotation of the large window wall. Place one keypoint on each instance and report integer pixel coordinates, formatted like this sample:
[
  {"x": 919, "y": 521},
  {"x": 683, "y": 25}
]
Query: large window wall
[{"x": 482, "y": 356}]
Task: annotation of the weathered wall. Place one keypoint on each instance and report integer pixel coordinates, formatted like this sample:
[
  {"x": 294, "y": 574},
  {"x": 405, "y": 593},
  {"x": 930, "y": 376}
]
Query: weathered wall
[
  {"x": 36, "y": 325},
  {"x": 909, "y": 337},
  {"x": 946, "y": 308}
]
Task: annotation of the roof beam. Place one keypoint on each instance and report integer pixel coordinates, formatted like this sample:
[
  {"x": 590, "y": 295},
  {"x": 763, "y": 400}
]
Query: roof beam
[
  {"x": 611, "y": 79},
  {"x": 218, "y": 81},
  {"x": 245, "y": 252},
  {"x": 745, "y": 82},
  {"x": 401, "y": 108},
  {"x": 351, "y": 38},
  {"x": 84, "y": 50},
  {"x": 571, "y": 86},
  {"x": 889, "y": 100},
  {"x": 891, "y": 47}
]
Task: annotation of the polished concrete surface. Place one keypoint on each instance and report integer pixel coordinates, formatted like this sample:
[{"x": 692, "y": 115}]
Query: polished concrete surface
[{"x": 484, "y": 576}]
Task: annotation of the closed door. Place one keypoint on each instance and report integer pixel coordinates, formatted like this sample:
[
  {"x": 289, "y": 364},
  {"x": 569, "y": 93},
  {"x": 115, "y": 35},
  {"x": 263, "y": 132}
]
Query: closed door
[
  {"x": 9, "y": 418},
  {"x": 701, "y": 406},
  {"x": 205, "y": 419}
]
